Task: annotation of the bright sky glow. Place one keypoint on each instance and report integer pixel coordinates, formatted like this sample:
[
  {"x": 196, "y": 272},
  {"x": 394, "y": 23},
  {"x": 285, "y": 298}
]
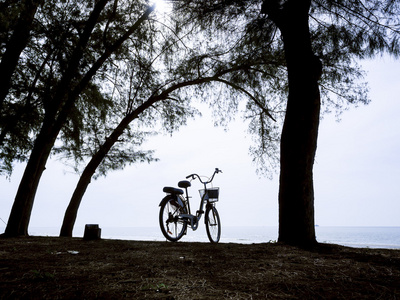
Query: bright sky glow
[{"x": 161, "y": 5}]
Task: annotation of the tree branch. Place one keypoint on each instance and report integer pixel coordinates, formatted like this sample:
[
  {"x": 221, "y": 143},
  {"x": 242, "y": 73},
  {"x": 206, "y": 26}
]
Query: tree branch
[{"x": 258, "y": 103}]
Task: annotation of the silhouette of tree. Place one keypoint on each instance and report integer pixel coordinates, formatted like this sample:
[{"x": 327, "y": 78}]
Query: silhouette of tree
[
  {"x": 96, "y": 33},
  {"x": 280, "y": 55},
  {"x": 79, "y": 90},
  {"x": 16, "y": 23},
  {"x": 320, "y": 41}
]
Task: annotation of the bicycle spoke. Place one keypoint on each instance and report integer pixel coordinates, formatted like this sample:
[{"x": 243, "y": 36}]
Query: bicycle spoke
[
  {"x": 213, "y": 225},
  {"x": 171, "y": 225}
]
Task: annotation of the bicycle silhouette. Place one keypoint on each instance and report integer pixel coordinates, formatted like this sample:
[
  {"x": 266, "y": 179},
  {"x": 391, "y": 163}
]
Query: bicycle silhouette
[{"x": 175, "y": 214}]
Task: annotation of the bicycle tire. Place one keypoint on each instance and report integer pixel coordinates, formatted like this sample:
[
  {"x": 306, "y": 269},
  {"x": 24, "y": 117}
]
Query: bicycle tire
[
  {"x": 172, "y": 227},
  {"x": 213, "y": 224}
]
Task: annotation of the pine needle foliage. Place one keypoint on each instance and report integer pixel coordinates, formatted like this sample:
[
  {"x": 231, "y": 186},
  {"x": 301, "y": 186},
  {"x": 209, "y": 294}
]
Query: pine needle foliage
[{"x": 343, "y": 32}]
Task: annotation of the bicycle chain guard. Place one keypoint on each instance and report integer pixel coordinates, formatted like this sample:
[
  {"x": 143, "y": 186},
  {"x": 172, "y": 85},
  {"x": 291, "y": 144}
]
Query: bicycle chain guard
[{"x": 194, "y": 223}]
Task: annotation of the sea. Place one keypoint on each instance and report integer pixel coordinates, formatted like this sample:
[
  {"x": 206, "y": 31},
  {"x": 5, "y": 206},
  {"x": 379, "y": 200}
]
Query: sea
[{"x": 363, "y": 237}]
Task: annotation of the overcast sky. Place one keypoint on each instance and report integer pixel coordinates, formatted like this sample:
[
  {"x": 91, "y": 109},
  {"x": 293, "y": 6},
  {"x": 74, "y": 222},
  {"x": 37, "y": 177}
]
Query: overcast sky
[{"x": 356, "y": 173}]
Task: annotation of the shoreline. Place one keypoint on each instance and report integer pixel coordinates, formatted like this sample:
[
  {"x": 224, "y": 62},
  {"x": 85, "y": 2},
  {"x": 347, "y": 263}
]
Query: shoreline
[{"x": 359, "y": 237}]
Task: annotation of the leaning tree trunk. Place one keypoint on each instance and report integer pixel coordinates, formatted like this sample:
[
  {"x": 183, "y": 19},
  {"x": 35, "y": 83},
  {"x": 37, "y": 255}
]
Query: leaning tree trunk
[
  {"x": 21, "y": 210},
  {"x": 76, "y": 199},
  {"x": 300, "y": 129},
  {"x": 84, "y": 180}
]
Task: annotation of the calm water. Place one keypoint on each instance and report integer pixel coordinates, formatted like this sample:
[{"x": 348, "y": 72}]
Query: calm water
[{"x": 373, "y": 237}]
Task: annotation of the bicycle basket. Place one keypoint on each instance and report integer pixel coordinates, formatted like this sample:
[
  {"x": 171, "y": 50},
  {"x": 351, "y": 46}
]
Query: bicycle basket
[{"x": 212, "y": 194}]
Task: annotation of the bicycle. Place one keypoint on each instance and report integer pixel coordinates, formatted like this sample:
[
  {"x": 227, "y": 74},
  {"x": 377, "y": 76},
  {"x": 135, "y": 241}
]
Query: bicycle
[{"x": 175, "y": 215}]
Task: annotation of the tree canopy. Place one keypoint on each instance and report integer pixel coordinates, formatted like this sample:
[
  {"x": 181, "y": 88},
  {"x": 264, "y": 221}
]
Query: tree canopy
[
  {"x": 89, "y": 75},
  {"x": 87, "y": 68},
  {"x": 79, "y": 52},
  {"x": 319, "y": 43}
]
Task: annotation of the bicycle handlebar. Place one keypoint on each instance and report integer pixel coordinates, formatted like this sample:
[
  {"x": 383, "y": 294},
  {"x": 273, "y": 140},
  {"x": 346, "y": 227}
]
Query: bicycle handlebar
[{"x": 193, "y": 176}]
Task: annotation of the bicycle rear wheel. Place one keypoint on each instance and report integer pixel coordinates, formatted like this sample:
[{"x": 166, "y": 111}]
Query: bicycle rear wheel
[
  {"x": 172, "y": 227},
  {"x": 213, "y": 224}
]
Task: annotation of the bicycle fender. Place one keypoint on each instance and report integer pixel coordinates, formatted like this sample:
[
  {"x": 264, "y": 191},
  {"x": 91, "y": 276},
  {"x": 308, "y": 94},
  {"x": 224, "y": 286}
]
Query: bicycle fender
[{"x": 166, "y": 198}]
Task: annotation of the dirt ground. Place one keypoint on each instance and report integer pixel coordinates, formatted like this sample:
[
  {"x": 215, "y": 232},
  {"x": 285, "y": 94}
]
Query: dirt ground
[{"x": 65, "y": 268}]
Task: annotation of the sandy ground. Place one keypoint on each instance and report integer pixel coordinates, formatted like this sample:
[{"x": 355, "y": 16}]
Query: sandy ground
[{"x": 65, "y": 268}]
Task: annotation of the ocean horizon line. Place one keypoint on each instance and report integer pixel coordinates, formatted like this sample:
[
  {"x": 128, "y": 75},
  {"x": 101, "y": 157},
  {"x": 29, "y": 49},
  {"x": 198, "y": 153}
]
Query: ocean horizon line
[{"x": 353, "y": 236}]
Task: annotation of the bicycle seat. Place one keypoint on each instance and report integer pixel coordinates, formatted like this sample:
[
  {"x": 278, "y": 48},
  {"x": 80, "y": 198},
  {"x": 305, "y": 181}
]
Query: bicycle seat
[
  {"x": 184, "y": 184},
  {"x": 172, "y": 190}
]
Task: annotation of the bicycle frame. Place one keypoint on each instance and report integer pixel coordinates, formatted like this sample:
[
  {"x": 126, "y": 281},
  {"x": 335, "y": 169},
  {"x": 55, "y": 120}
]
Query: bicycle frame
[{"x": 194, "y": 219}]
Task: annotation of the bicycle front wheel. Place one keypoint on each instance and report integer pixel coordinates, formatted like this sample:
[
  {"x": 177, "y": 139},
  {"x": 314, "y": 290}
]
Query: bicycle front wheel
[
  {"x": 213, "y": 224},
  {"x": 172, "y": 227}
]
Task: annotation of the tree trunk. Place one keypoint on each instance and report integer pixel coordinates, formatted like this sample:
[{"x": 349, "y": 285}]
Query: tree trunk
[
  {"x": 76, "y": 199},
  {"x": 84, "y": 180},
  {"x": 21, "y": 210},
  {"x": 300, "y": 129}
]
